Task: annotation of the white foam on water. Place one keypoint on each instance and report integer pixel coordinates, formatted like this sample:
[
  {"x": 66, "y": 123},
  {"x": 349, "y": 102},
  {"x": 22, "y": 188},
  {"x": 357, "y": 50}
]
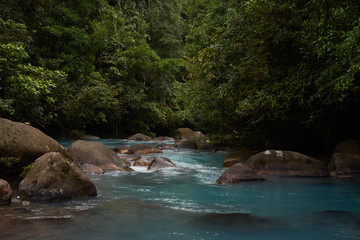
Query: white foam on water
[
  {"x": 48, "y": 217},
  {"x": 141, "y": 169}
]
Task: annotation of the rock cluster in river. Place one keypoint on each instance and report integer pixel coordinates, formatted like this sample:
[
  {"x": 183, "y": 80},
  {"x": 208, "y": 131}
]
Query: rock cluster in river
[
  {"x": 187, "y": 138},
  {"x": 275, "y": 163},
  {"x": 22, "y": 145}
]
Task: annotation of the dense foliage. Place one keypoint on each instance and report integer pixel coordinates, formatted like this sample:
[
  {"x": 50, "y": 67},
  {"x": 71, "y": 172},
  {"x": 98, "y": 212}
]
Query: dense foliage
[
  {"x": 276, "y": 73},
  {"x": 258, "y": 73}
]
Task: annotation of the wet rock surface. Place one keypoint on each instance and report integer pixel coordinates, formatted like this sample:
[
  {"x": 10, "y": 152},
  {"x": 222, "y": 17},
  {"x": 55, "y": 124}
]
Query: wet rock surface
[
  {"x": 97, "y": 154},
  {"x": 160, "y": 162},
  {"x": 286, "y": 163},
  {"x": 55, "y": 177},
  {"x": 238, "y": 173}
]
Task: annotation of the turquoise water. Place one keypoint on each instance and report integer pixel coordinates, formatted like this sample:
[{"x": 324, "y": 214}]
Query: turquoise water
[{"x": 185, "y": 203}]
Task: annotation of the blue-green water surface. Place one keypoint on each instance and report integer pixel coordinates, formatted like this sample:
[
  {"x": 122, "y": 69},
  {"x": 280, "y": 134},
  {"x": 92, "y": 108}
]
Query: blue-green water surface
[{"x": 185, "y": 203}]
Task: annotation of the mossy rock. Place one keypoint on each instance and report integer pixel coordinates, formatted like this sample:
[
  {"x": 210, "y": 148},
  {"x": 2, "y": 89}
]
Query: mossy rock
[{"x": 55, "y": 177}]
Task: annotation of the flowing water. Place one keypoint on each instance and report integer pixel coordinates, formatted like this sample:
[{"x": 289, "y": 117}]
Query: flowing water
[{"x": 185, "y": 203}]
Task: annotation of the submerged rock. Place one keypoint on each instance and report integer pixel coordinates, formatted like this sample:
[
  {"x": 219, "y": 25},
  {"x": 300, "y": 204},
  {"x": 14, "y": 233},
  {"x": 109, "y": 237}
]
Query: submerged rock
[
  {"x": 97, "y": 154},
  {"x": 143, "y": 148},
  {"x": 233, "y": 221},
  {"x": 55, "y": 177},
  {"x": 139, "y": 137},
  {"x": 286, "y": 163},
  {"x": 238, "y": 173},
  {"x": 336, "y": 217},
  {"x": 226, "y": 218},
  {"x": 5, "y": 193},
  {"x": 239, "y": 156},
  {"x": 159, "y": 163}
]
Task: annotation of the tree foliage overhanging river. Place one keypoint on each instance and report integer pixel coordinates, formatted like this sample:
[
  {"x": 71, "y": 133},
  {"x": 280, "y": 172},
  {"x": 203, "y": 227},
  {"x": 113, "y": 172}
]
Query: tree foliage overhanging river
[{"x": 258, "y": 74}]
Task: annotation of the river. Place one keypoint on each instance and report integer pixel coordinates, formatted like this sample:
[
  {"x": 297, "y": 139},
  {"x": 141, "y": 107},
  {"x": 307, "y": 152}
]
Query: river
[{"x": 186, "y": 203}]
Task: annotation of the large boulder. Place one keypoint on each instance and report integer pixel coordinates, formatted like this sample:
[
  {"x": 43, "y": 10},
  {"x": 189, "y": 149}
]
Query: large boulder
[
  {"x": 349, "y": 147},
  {"x": 139, "y": 137},
  {"x": 187, "y": 138},
  {"x": 5, "y": 193},
  {"x": 345, "y": 163},
  {"x": 239, "y": 156},
  {"x": 160, "y": 162},
  {"x": 183, "y": 133},
  {"x": 25, "y": 144},
  {"x": 97, "y": 154},
  {"x": 346, "y": 158},
  {"x": 143, "y": 148},
  {"x": 286, "y": 163},
  {"x": 55, "y": 177},
  {"x": 238, "y": 173}
]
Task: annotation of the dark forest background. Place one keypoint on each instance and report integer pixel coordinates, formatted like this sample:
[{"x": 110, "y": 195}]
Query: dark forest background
[{"x": 251, "y": 73}]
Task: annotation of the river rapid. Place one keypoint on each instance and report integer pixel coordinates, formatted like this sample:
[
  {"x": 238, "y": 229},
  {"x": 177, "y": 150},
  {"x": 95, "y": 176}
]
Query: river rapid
[{"x": 185, "y": 203}]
